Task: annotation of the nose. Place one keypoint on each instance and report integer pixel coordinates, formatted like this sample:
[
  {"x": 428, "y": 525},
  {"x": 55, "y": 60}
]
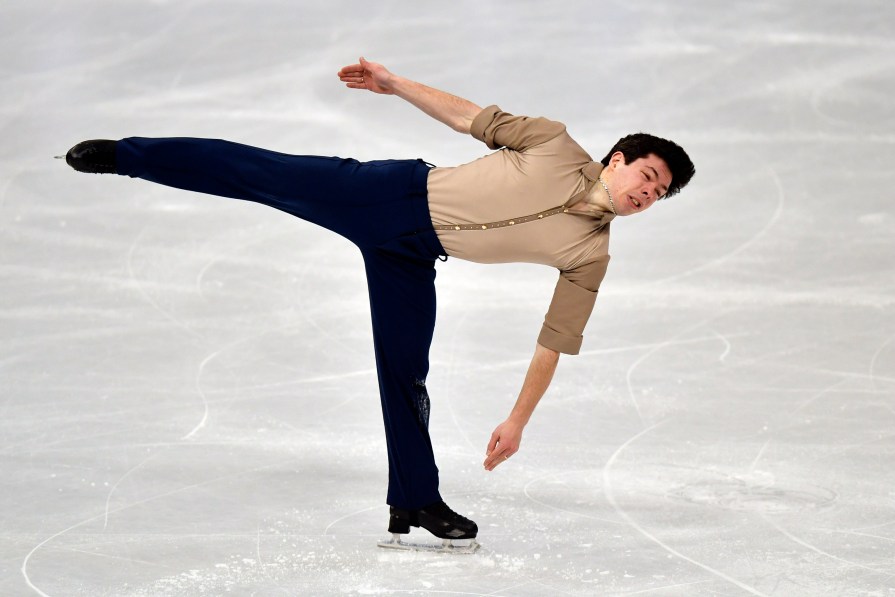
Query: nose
[{"x": 650, "y": 192}]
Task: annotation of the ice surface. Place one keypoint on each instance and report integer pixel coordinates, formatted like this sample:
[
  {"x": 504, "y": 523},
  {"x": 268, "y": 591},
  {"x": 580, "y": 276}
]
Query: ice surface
[{"x": 188, "y": 395}]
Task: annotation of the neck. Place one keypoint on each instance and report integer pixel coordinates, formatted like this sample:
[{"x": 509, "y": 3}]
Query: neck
[{"x": 608, "y": 195}]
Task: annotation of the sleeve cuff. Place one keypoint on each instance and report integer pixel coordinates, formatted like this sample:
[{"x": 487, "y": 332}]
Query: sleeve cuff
[
  {"x": 563, "y": 328},
  {"x": 549, "y": 338},
  {"x": 480, "y": 124}
]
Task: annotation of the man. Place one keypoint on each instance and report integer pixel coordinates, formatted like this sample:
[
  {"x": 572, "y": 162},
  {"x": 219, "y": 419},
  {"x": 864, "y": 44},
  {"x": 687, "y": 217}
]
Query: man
[{"x": 541, "y": 199}]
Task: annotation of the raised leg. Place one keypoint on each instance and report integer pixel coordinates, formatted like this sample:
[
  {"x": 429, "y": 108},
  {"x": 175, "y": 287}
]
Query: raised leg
[{"x": 368, "y": 203}]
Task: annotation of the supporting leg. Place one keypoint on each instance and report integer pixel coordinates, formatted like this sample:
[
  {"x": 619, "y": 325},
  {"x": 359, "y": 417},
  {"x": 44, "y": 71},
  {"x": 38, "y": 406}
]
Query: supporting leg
[{"x": 402, "y": 305}]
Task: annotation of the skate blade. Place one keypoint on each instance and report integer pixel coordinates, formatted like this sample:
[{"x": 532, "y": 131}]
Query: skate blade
[{"x": 446, "y": 546}]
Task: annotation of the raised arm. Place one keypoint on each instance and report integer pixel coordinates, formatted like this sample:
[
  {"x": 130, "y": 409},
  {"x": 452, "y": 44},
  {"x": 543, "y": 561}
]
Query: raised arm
[
  {"x": 453, "y": 111},
  {"x": 508, "y": 435}
]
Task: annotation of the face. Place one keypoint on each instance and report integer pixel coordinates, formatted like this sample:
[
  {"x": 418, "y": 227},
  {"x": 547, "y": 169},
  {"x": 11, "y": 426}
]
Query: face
[{"x": 635, "y": 187}]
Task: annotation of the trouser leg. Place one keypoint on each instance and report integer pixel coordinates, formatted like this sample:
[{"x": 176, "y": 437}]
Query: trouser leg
[
  {"x": 363, "y": 201},
  {"x": 402, "y": 305}
]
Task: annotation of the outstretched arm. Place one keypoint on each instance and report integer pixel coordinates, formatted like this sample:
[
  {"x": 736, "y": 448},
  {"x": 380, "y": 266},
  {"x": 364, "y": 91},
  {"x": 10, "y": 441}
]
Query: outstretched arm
[
  {"x": 506, "y": 438},
  {"x": 453, "y": 111}
]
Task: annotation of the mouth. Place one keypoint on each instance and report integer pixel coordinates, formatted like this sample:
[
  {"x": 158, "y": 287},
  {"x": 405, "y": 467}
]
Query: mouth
[{"x": 635, "y": 202}]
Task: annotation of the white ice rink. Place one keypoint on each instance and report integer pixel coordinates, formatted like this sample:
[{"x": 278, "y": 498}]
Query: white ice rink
[{"x": 188, "y": 400}]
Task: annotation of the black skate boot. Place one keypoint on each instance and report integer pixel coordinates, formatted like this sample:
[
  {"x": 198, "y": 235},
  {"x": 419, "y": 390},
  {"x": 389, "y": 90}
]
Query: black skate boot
[
  {"x": 439, "y": 520},
  {"x": 94, "y": 157}
]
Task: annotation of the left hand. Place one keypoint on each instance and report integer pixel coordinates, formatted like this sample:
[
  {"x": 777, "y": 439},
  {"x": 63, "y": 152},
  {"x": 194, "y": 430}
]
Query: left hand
[
  {"x": 371, "y": 76},
  {"x": 504, "y": 443}
]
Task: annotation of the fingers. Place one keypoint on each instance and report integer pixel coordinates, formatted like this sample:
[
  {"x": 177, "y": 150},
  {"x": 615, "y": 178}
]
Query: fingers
[
  {"x": 497, "y": 452},
  {"x": 352, "y": 71},
  {"x": 492, "y": 445},
  {"x": 353, "y": 76},
  {"x": 504, "y": 442},
  {"x": 496, "y": 458},
  {"x": 495, "y": 437}
]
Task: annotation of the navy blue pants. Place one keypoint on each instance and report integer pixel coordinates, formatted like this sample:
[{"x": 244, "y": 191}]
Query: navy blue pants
[{"x": 382, "y": 208}]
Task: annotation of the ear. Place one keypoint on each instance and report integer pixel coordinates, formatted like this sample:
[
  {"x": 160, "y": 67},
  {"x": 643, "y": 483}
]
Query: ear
[{"x": 616, "y": 158}]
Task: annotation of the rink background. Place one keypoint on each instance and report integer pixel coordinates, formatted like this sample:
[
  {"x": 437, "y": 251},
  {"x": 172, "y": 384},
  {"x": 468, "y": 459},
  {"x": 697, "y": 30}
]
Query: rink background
[{"x": 188, "y": 395}]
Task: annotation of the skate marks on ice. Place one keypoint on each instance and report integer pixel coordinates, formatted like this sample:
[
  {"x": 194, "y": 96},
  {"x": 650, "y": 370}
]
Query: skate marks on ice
[
  {"x": 140, "y": 284},
  {"x": 873, "y": 364},
  {"x": 528, "y": 491},
  {"x": 731, "y": 493},
  {"x": 866, "y": 80},
  {"x": 610, "y": 497},
  {"x": 819, "y": 551},
  {"x": 105, "y": 514},
  {"x": 757, "y": 494},
  {"x": 748, "y": 243},
  {"x": 673, "y": 340}
]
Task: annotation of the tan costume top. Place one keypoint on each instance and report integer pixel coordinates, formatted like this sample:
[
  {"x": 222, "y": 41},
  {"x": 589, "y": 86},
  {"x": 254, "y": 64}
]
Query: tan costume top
[{"x": 526, "y": 203}]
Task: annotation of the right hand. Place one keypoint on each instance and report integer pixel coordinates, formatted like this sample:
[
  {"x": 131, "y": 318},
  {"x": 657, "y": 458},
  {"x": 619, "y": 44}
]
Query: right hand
[
  {"x": 367, "y": 75},
  {"x": 504, "y": 443}
]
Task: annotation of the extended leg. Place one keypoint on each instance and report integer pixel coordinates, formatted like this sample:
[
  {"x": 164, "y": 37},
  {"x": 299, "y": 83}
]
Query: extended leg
[
  {"x": 363, "y": 201},
  {"x": 309, "y": 187}
]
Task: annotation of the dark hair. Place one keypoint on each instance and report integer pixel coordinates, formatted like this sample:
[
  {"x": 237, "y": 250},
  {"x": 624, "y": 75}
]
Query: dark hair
[{"x": 640, "y": 145}]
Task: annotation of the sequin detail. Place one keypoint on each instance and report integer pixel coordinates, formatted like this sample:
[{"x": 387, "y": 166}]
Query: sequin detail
[
  {"x": 504, "y": 223},
  {"x": 421, "y": 402}
]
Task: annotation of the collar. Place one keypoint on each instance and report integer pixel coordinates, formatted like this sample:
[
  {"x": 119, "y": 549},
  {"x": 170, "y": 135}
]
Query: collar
[{"x": 591, "y": 172}]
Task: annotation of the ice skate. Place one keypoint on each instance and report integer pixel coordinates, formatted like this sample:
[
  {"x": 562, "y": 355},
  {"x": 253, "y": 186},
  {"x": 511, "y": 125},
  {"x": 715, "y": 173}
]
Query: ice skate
[
  {"x": 439, "y": 520},
  {"x": 93, "y": 157}
]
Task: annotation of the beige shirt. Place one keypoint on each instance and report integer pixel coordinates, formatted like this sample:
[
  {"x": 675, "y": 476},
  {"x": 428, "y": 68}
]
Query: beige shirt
[{"x": 527, "y": 203}]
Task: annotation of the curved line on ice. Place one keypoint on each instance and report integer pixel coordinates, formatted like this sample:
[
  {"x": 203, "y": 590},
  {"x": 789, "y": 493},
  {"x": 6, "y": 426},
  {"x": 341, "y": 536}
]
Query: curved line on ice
[
  {"x": 557, "y": 508},
  {"x": 24, "y": 568},
  {"x": 138, "y": 284},
  {"x": 347, "y": 516},
  {"x": 875, "y": 357},
  {"x": 202, "y": 395},
  {"x": 610, "y": 497},
  {"x": 118, "y": 482},
  {"x": 745, "y": 245},
  {"x": 819, "y": 551},
  {"x": 671, "y": 341}
]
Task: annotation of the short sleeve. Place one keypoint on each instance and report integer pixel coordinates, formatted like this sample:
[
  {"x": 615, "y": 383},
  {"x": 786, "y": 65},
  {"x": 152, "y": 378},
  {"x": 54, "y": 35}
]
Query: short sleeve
[
  {"x": 496, "y": 129},
  {"x": 573, "y": 301}
]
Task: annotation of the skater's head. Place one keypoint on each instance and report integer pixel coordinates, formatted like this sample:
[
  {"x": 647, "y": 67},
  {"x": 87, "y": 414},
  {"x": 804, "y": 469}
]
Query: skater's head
[{"x": 641, "y": 169}]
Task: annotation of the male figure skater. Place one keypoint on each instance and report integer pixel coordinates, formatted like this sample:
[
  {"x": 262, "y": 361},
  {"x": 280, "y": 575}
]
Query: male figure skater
[{"x": 540, "y": 199}]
